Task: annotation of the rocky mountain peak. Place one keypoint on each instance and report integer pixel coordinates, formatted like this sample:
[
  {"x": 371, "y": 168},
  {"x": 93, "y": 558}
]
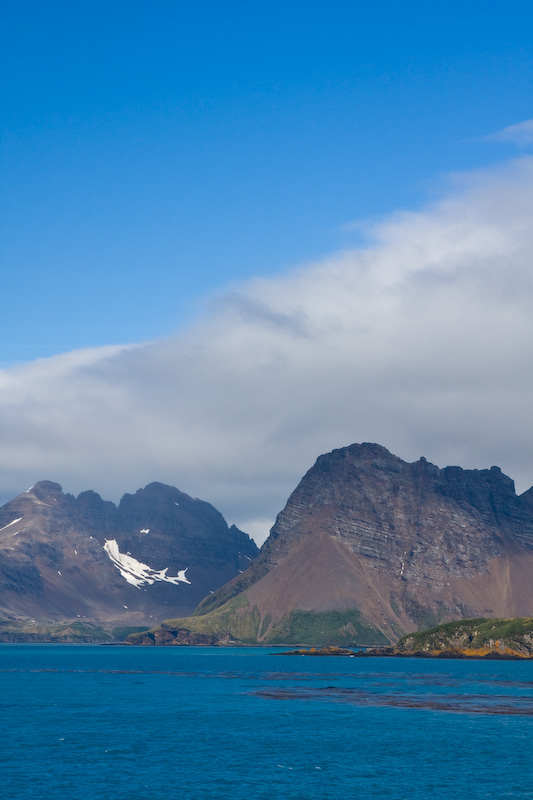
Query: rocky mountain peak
[
  {"x": 402, "y": 543},
  {"x": 46, "y": 490},
  {"x": 158, "y": 553}
]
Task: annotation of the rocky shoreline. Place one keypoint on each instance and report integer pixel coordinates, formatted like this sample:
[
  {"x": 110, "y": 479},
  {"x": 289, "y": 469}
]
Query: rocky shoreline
[{"x": 391, "y": 652}]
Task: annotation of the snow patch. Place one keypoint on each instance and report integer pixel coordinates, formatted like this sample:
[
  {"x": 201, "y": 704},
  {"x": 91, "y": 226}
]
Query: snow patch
[
  {"x": 137, "y": 573},
  {"x": 403, "y": 564},
  {"x": 9, "y": 524}
]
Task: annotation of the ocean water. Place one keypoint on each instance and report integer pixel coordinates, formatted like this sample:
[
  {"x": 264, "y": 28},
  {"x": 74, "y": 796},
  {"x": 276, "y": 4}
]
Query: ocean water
[{"x": 105, "y": 723}]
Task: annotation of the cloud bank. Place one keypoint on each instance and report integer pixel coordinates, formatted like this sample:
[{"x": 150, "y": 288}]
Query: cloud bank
[{"x": 421, "y": 341}]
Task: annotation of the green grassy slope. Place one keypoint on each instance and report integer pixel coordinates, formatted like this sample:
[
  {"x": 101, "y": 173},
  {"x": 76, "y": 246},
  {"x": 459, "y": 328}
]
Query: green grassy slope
[{"x": 236, "y": 622}]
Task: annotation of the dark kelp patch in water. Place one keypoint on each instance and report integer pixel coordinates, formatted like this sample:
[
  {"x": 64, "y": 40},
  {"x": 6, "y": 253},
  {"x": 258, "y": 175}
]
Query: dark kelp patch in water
[{"x": 510, "y": 705}]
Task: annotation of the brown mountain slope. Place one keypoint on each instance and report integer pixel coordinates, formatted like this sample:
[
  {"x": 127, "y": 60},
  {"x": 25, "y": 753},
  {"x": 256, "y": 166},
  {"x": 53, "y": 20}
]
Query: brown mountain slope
[
  {"x": 159, "y": 551},
  {"x": 393, "y": 546}
]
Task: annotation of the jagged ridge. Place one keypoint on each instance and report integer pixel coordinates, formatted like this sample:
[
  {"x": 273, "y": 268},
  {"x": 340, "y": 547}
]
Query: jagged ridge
[
  {"x": 403, "y": 545},
  {"x": 67, "y": 558}
]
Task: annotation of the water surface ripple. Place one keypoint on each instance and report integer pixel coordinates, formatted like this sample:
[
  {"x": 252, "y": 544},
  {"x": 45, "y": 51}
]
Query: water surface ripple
[{"x": 110, "y": 723}]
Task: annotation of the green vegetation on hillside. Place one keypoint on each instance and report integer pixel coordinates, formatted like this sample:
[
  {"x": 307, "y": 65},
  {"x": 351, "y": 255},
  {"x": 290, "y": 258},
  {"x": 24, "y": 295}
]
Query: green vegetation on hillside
[
  {"x": 87, "y": 632},
  {"x": 235, "y": 621},
  {"x": 325, "y": 628},
  {"x": 120, "y": 633},
  {"x": 498, "y": 635},
  {"x": 78, "y": 631}
]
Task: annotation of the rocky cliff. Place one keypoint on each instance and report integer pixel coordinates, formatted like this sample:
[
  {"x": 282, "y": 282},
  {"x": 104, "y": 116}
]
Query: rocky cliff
[
  {"x": 158, "y": 553},
  {"x": 370, "y": 546}
]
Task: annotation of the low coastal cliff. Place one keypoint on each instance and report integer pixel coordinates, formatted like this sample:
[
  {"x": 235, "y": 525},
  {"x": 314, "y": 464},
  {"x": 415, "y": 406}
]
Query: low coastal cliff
[{"x": 474, "y": 637}]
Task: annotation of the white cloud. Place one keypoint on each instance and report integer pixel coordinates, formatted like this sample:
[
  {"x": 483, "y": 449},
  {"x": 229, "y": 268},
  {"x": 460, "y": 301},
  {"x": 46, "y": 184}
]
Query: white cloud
[
  {"x": 521, "y": 134},
  {"x": 421, "y": 341}
]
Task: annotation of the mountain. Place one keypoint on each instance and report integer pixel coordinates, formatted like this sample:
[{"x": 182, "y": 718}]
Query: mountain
[
  {"x": 158, "y": 553},
  {"x": 370, "y": 547}
]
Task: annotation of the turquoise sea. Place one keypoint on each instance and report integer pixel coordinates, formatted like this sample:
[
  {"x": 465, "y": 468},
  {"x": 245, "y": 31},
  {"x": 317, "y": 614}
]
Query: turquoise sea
[{"x": 105, "y": 723}]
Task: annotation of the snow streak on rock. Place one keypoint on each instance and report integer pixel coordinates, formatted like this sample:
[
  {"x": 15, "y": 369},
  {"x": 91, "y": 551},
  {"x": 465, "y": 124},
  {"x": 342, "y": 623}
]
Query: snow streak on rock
[
  {"x": 137, "y": 573},
  {"x": 9, "y": 524}
]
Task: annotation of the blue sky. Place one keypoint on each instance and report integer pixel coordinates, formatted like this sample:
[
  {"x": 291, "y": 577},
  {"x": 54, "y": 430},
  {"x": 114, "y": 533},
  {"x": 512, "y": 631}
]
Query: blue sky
[
  {"x": 235, "y": 236},
  {"x": 154, "y": 152}
]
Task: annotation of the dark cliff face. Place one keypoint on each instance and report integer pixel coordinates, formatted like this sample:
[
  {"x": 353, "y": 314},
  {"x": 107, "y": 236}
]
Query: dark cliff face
[
  {"x": 405, "y": 544},
  {"x": 156, "y": 555},
  {"x": 180, "y": 527},
  {"x": 415, "y": 518}
]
